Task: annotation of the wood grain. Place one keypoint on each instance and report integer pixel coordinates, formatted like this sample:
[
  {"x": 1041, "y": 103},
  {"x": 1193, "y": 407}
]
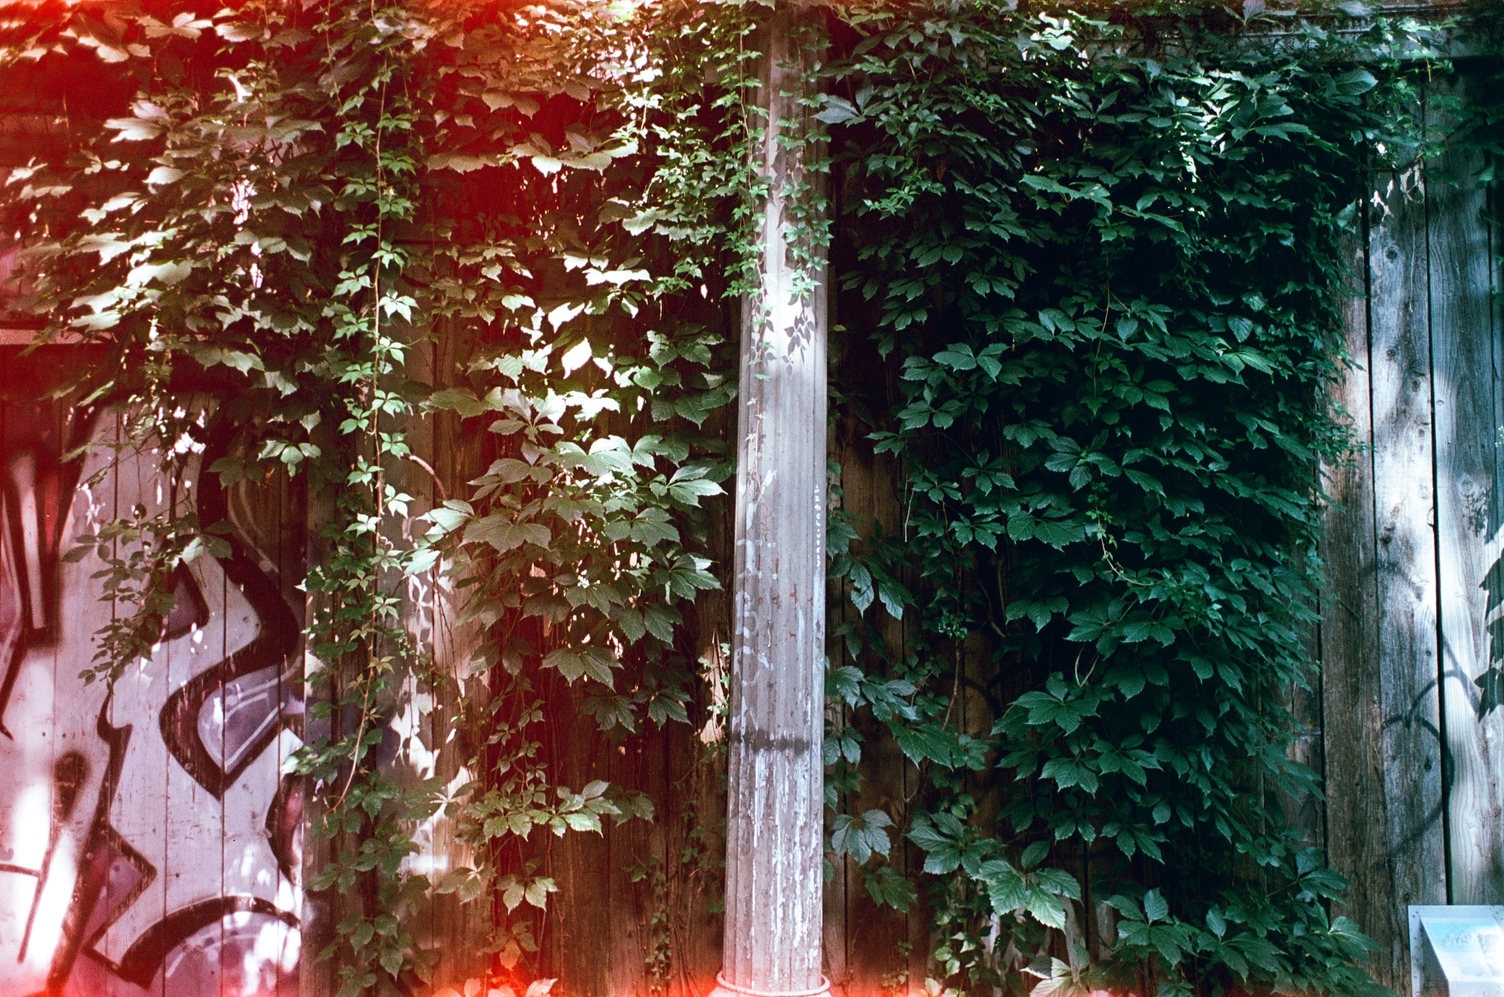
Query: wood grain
[
  {"x": 1408, "y": 791},
  {"x": 695, "y": 855},
  {"x": 320, "y": 910},
  {"x": 580, "y": 934},
  {"x": 835, "y": 924},
  {"x": 1305, "y": 812},
  {"x": 1465, "y": 361},
  {"x": 693, "y": 816},
  {"x": 456, "y": 457},
  {"x": 873, "y": 934}
]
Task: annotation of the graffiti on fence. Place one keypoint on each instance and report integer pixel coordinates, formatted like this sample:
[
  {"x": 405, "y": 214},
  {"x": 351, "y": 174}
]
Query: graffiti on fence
[{"x": 149, "y": 842}]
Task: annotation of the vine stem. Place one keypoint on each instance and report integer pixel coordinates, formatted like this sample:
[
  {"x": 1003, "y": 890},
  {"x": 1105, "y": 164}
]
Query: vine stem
[{"x": 374, "y": 434}]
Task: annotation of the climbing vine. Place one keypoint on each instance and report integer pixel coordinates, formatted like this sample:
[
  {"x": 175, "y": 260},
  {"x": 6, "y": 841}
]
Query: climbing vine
[
  {"x": 288, "y": 208},
  {"x": 1086, "y": 278},
  {"x": 1099, "y": 257}
]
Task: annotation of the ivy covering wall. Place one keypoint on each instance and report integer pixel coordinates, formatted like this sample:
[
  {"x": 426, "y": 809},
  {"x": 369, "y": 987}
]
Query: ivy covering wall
[
  {"x": 1101, "y": 262},
  {"x": 1087, "y": 280}
]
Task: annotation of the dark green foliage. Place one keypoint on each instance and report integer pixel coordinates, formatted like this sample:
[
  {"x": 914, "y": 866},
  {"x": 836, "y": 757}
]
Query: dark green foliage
[
  {"x": 1088, "y": 275},
  {"x": 1100, "y": 261}
]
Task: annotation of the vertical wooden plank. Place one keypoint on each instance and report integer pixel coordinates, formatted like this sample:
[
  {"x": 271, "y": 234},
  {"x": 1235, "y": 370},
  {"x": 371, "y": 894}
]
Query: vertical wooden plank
[
  {"x": 1403, "y": 781},
  {"x": 695, "y": 799},
  {"x": 75, "y": 715},
  {"x": 315, "y": 976},
  {"x": 836, "y": 926},
  {"x": 1305, "y": 812},
  {"x": 695, "y": 773},
  {"x": 875, "y": 934},
  {"x": 285, "y": 547},
  {"x": 216, "y": 814},
  {"x": 456, "y": 458},
  {"x": 416, "y": 724},
  {"x": 1467, "y": 426},
  {"x": 454, "y": 925},
  {"x": 638, "y": 868},
  {"x": 140, "y": 810},
  {"x": 835, "y": 902},
  {"x": 775, "y": 798},
  {"x": 285, "y": 828},
  {"x": 629, "y": 855},
  {"x": 262, "y": 809},
  {"x": 1406, "y": 571},
  {"x": 28, "y": 755},
  {"x": 1349, "y": 627},
  {"x": 578, "y": 931}
]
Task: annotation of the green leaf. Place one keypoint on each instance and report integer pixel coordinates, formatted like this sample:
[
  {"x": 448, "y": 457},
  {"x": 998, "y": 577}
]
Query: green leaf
[
  {"x": 163, "y": 175},
  {"x": 1046, "y": 908},
  {"x": 1354, "y": 82},
  {"x": 500, "y": 532},
  {"x": 461, "y": 400},
  {"x": 661, "y": 620},
  {"x": 844, "y": 682},
  {"x": 887, "y": 886},
  {"x": 1006, "y": 888},
  {"x": 836, "y": 110},
  {"x": 926, "y": 742},
  {"x": 591, "y": 662},
  {"x": 1034, "y": 854},
  {"x": 1155, "y": 906},
  {"x": 136, "y": 129},
  {"x": 537, "y": 891}
]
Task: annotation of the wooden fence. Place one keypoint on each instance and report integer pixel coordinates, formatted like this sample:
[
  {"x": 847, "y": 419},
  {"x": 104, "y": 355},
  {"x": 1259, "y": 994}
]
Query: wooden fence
[
  {"x": 1410, "y": 742},
  {"x": 149, "y": 843}
]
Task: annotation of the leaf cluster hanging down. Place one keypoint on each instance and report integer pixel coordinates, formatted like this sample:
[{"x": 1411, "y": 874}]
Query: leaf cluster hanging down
[
  {"x": 1098, "y": 257},
  {"x": 337, "y": 224}
]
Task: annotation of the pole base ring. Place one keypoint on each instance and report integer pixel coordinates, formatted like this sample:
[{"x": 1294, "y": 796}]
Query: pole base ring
[{"x": 725, "y": 988}]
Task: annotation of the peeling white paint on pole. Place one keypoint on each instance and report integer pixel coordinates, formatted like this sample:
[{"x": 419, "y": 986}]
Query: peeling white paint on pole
[{"x": 776, "y": 804}]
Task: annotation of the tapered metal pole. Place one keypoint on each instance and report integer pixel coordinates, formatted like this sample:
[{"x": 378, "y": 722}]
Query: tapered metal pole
[{"x": 776, "y": 796}]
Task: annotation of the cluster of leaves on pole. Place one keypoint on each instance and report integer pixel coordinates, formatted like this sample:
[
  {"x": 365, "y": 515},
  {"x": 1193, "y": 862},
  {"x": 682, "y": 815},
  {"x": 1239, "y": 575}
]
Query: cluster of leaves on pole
[{"x": 1099, "y": 256}]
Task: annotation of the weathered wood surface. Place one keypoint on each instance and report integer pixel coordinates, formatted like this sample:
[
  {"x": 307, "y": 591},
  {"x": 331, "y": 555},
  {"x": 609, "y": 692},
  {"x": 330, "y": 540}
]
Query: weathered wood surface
[
  {"x": 316, "y": 976},
  {"x": 1468, "y": 422},
  {"x": 1304, "y": 811},
  {"x": 873, "y": 937},
  {"x": 429, "y": 712},
  {"x": 1413, "y": 759},
  {"x": 147, "y": 839},
  {"x": 1408, "y": 802},
  {"x": 1349, "y": 631}
]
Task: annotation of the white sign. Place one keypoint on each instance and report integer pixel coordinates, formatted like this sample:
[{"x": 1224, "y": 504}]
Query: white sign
[{"x": 1457, "y": 951}]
